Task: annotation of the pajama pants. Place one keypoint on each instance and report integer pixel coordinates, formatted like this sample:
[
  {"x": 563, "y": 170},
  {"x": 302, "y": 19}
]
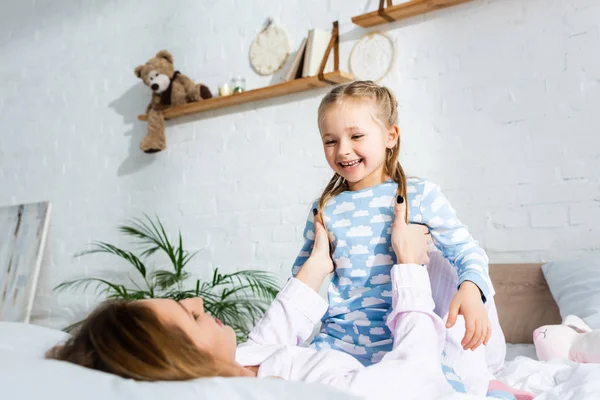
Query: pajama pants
[{"x": 465, "y": 370}]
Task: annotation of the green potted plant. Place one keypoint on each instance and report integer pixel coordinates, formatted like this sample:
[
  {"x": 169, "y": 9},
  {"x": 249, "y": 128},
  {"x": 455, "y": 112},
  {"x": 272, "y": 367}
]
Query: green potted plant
[{"x": 238, "y": 299}]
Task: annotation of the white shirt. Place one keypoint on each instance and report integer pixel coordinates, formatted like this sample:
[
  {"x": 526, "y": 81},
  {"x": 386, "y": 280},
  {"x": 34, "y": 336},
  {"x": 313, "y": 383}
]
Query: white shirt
[{"x": 410, "y": 371}]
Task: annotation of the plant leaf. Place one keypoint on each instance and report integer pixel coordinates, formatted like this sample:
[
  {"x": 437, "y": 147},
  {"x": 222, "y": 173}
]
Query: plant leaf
[
  {"x": 166, "y": 279},
  {"x": 73, "y": 327},
  {"x": 239, "y": 299},
  {"x": 102, "y": 247},
  {"x": 262, "y": 284},
  {"x": 111, "y": 289}
]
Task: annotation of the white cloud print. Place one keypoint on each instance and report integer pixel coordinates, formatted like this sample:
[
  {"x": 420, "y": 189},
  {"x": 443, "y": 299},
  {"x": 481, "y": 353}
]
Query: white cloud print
[
  {"x": 357, "y": 231},
  {"x": 303, "y": 254},
  {"x": 438, "y": 203},
  {"x": 378, "y": 240},
  {"x": 342, "y": 223},
  {"x": 357, "y": 291},
  {"x": 435, "y": 222},
  {"x": 476, "y": 257},
  {"x": 371, "y": 301},
  {"x": 386, "y": 293},
  {"x": 383, "y": 201},
  {"x": 323, "y": 345},
  {"x": 342, "y": 262},
  {"x": 416, "y": 202},
  {"x": 354, "y": 315},
  {"x": 379, "y": 259},
  {"x": 345, "y": 281},
  {"x": 379, "y": 279},
  {"x": 343, "y": 208},
  {"x": 460, "y": 235},
  {"x": 362, "y": 195},
  {"x": 331, "y": 237},
  {"x": 359, "y": 249},
  {"x": 362, "y": 322},
  {"x": 380, "y": 218},
  {"x": 374, "y": 331},
  {"x": 338, "y": 310},
  {"x": 352, "y": 349},
  {"x": 377, "y": 356},
  {"x": 364, "y": 339},
  {"x": 310, "y": 235},
  {"x": 341, "y": 243},
  {"x": 361, "y": 213},
  {"x": 347, "y": 338},
  {"x": 338, "y": 328},
  {"x": 358, "y": 273}
]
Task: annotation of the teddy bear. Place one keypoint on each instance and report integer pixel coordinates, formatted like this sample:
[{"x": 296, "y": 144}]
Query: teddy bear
[
  {"x": 573, "y": 340},
  {"x": 169, "y": 88}
]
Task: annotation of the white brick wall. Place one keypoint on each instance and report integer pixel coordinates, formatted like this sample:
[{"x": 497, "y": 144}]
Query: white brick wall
[{"x": 500, "y": 104}]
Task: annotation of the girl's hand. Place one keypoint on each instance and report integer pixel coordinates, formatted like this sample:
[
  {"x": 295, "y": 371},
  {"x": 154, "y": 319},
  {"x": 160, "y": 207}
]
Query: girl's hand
[
  {"x": 410, "y": 242},
  {"x": 319, "y": 264},
  {"x": 468, "y": 303}
]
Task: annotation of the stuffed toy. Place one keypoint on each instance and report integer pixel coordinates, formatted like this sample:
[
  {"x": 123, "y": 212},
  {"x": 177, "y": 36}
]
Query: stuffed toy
[
  {"x": 169, "y": 88},
  {"x": 573, "y": 340}
]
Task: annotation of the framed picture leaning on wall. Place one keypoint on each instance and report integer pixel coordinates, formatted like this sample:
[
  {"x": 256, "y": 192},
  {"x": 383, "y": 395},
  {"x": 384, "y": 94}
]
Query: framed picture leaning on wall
[{"x": 23, "y": 231}]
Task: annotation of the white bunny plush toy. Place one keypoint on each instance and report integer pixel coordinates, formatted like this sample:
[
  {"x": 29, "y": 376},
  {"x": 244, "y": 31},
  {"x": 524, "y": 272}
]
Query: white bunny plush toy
[{"x": 573, "y": 340}]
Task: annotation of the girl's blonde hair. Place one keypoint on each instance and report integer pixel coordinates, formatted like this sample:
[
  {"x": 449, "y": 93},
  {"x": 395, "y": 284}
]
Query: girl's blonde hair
[
  {"x": 128, "y": 339},
  {"x": 386, "y": 114}
]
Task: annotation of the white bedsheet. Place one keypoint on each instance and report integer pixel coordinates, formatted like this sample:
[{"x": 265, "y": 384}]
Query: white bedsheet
[
  {"x": 520, "y": 350},
  {"x": 553, "y": 380}
]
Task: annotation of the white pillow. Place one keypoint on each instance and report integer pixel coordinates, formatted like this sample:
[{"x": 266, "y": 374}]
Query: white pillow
[
  {"x": 25, "y": 375},
  {"x": 28, "y": 339},
  {"x": 575, "y": 285}
]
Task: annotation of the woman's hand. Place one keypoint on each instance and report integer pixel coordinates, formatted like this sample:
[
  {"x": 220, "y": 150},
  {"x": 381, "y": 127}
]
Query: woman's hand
[
  {"x": 411, "y": 243},
  {"x": 319, "y": 264}
]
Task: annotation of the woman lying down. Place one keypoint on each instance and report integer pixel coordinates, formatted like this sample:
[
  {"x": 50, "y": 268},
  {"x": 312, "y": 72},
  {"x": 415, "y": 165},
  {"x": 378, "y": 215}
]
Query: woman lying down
[{"x": 161, "y": 339}]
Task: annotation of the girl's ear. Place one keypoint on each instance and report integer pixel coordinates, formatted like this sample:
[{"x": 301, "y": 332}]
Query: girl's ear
[
  {"x": 393, "y": 135},
  {"x": 576, "y": 324}
]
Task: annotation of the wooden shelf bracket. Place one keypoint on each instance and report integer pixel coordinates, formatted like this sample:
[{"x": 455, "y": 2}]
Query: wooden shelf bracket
[{"x": 390, "y": 12}]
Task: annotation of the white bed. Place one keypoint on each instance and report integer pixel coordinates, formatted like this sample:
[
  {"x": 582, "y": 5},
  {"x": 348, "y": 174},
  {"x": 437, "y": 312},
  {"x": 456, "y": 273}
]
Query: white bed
[
  {"x": 524, "y": 303},
  {"x": 552, "y": 380},
  {"x": 514, "y": 350}
]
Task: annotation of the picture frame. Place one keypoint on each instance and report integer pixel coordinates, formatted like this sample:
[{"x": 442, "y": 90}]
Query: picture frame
[{"x": 23, "y": 233}]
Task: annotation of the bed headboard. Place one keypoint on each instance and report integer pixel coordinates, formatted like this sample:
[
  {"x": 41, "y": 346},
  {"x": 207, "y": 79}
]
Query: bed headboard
[{"x": 523, "y": 300}]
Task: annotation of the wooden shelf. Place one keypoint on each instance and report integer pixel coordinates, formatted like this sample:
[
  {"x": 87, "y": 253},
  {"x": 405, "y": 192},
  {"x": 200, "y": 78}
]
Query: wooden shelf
[
  {"x": 401, "y": 11},
  {"x": 280, "y": 89}
]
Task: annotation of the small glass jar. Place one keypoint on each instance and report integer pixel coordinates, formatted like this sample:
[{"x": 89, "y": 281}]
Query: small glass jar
[
  {"x": 239, "y": 84},
  {"x": 225, "y": 89}
]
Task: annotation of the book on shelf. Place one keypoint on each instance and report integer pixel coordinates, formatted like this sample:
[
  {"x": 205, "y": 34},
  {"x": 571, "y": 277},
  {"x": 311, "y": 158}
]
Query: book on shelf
[
  {"x": 295, "y": 70},
  {"x": 316, "y": 45}
]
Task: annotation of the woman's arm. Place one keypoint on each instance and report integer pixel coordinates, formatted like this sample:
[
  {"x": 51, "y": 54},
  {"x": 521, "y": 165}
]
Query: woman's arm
[
  {"x": 412, "y": 369},
  {"x": 416, "y": 329},
  {"x": 298, "y": 307},
  {"x": 291, "y": 317}
]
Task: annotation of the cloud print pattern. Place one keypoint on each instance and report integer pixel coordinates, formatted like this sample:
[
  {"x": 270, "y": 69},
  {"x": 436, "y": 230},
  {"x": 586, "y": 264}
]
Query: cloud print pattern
[{"x": 359, "y": 225}]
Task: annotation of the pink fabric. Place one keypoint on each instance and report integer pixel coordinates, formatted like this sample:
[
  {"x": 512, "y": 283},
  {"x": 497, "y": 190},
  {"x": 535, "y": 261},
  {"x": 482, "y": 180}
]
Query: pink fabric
[{"x": 519, "y": 394}]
